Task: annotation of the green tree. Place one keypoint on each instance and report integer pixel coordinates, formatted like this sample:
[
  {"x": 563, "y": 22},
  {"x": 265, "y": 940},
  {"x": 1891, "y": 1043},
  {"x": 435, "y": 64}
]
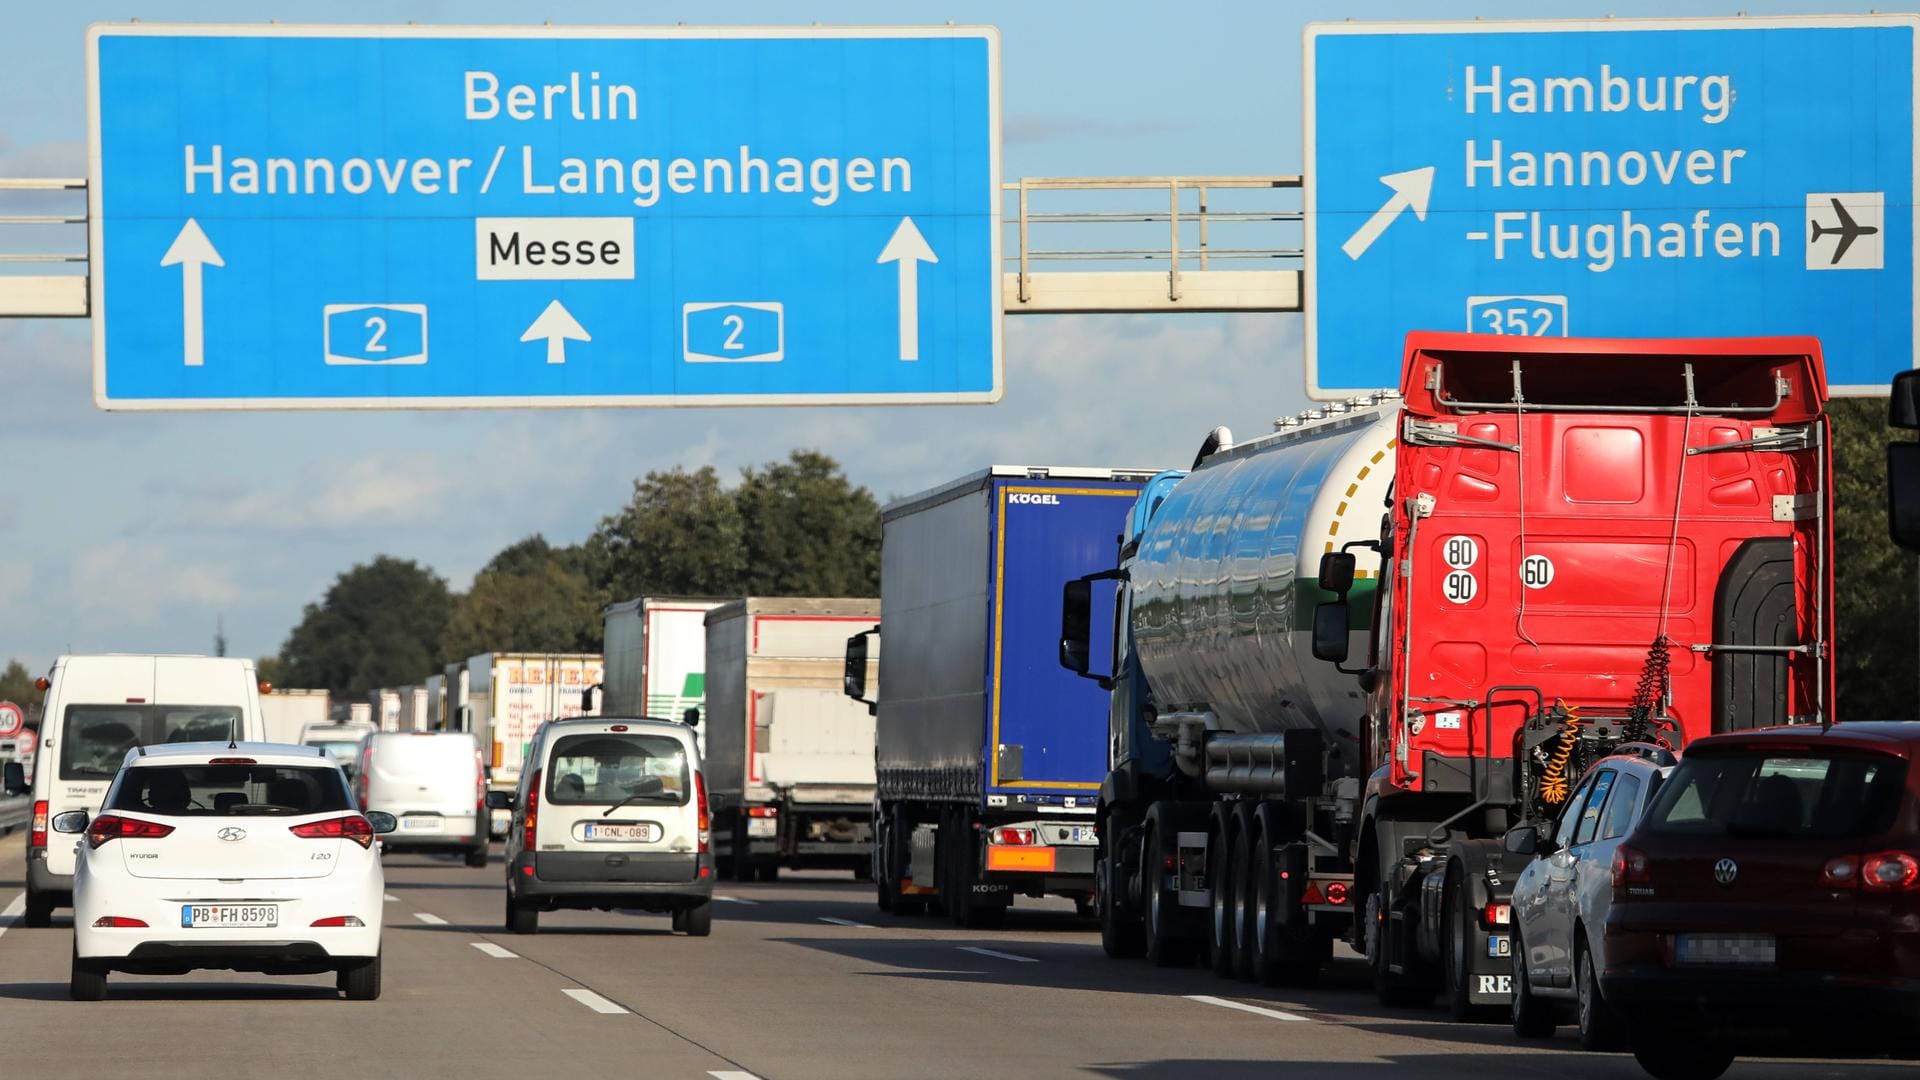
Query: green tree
[
  {"x": 16, "y": 685},
  {"x": 1875, "y": 598},
  {"x": 272, "y": 671},
  {"x": 380, "y": 624},
  {"x": 809, "y": 531},
  {"x": 681, "y": 533},
  {"x": 531, "y": 597}
]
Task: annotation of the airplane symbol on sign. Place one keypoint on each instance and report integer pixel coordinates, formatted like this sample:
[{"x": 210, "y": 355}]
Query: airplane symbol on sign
[{"x": 1847, "y": 230}]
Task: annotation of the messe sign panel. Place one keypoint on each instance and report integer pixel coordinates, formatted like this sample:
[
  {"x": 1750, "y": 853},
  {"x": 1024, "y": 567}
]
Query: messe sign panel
[
  {"x": 1617, "y": 178},
  {"x": 413, "y": 217}
]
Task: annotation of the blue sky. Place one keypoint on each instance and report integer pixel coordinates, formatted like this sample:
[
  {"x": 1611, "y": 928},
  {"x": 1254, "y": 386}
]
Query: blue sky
[{"x": 135, "y": 532}]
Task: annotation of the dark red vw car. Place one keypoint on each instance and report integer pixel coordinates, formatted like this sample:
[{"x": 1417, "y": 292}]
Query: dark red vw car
[{"x": 1772, "y": 887}]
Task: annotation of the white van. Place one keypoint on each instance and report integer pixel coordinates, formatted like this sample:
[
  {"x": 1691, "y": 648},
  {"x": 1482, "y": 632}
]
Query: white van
[
  {"x": 434, "y": 783},
  {"x": 610, "y": 813},
  {"x": 98, "y": 708}
]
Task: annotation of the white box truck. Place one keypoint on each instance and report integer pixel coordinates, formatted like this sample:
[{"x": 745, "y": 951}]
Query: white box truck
[
  {"x": 657, "y": 658},
  {"x": 386, "y": 708},
  {"x": 510, "y": 695},
  {"x": 789, "y": 759},
  {"x": 288, "y": 713}
]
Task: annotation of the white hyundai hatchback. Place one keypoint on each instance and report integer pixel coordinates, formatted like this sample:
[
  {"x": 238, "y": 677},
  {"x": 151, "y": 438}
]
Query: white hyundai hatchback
[{"x": 243, "y": 857}]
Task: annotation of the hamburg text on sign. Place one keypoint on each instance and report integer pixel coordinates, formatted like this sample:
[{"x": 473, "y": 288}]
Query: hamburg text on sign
[
  {"x": 314, "y": 217},
  {"x": 1650, "y": 178}
]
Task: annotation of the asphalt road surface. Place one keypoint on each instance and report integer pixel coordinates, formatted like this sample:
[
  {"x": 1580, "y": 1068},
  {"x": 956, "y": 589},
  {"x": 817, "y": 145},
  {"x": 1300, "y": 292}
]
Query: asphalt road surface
[{"x": 801, "y": 979}]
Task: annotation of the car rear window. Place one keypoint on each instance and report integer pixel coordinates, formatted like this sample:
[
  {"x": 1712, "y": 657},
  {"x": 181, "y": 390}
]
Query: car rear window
[
  {"x": 1782, "y": 794},
  {"x": 230, "y": 790},
  {"x": 611, "y": 768},
  {"x": 94, "y": 739}
]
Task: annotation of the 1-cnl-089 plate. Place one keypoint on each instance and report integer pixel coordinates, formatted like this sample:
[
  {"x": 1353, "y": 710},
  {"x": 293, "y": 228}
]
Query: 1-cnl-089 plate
[
  {"x": 199, "y": 915},
  {"x": 644, "y": 833},
  {"x": 1732, "y": 949}
]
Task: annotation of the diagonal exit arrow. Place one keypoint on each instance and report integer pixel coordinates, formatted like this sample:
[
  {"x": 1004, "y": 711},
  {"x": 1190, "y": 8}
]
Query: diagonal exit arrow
[
  {"x": 557, "y": 325},
  {"x": 1411, "y": 190},
  {"x": 909, "y": 249},
  {"x": 191, "y": 250}
]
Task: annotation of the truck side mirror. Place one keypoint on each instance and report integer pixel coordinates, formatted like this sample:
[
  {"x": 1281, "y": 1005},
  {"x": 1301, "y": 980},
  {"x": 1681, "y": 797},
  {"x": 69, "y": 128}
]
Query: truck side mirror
[
  {"x": 854, "y": 680},
  {"x": 1331, "y": 622},
  {"x": 1076, "y": 626},
  {"x": 1336, "y": 575},
  {"x": 499, "y": 800},
  {"x": 13, "y": 778},
  {"x": 586, "y": 699},
  {"x": 1903, "y": 494},
  {"x": 691, "y": 717},
  {"x": 1903, "y": 409}
]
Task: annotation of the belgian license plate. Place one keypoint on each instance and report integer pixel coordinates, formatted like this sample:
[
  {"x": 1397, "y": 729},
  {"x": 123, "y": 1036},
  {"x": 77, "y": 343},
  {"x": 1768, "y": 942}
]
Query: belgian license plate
[
  {"x": 1731, "y": 949},
  {"x": 420, "y": 824},
  {"x": 643, "y": 833},
  {"x": 197, "y": 915}
]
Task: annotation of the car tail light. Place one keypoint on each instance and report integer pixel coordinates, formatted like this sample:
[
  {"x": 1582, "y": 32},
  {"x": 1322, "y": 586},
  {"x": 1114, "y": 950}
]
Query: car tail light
[
  {"x": 339, "y": 920},
  {"x": 1009, "y": 835},
  {"x": 1629, "y": 868},
  {"x": 114, "y": 827},
  {"x": 38, "y": 837},
  {"x": 706, "y": 821},
  {"x": 1841, "y": 872},
  {"x": 232, "y": 761},
  {"x": 1498, "y": 914},
  {"x": 118, "y": 922},
  {"x": 533, "y": 812},
  {"x": 352, "y": 827},
  {"x": 1890, "y": 871},
  {"x": 479, "y": 783},
  {"x": 763, "y": 811},
  {"x": 618, "y": 727}
]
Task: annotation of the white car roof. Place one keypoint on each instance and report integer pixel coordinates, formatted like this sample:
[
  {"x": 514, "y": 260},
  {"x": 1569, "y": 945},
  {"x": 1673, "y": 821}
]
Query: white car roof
[
  {"x": 638, "y": 724},
  {"x": 200, "y": 753}
]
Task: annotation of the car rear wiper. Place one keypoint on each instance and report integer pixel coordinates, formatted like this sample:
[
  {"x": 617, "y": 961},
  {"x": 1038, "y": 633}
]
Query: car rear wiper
[{"x": 656, "y": 796}]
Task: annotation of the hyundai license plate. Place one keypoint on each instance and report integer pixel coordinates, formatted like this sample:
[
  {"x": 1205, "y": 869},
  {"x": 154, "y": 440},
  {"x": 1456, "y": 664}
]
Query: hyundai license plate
[
  {"x": 197, "y": 915},
  {"x": 1730, "y": 949},
  {"x": 644, "y": 833}
]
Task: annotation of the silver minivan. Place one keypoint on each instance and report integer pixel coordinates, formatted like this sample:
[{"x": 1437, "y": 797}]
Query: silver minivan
[
  {"x": 434, "y": 783},
  {"x": 610, "y": 813}
]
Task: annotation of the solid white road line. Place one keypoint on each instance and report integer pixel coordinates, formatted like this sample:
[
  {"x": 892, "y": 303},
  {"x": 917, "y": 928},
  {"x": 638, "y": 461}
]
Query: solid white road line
[
  {"x": 595, "y": 1002},
  {"x": 731, "y": 1074},
  {"x": 844, "y": 922},
  {"x": 735, "y": 900},
  {"x": 12, "y": 912},
  {"x": 976, "y": 950},
  {"x": 494, "y": 951},
  {"x": 429, "y": 918},
  {"x": 1274, "y": 1014}
]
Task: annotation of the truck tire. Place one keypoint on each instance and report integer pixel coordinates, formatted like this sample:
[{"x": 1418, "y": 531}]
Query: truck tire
[
  {"x": 1533, "y": 1017},
  {"x": 1122, "y": 934},
  {"x": 1164, "y": 945},
  {"x": 1242, "y": 879},
  {"x": 39, "y": 913},
  {"x": 1286, "y": 949},
  {"x": 1220, "y": 890},
  {"x": 962, "y": 868},
  {"x": 894, "y": 860},
  {"x": 1457, "y": 952},
  {"x": 767, "y": 871},
  {"x": 1393, "y": 989}
]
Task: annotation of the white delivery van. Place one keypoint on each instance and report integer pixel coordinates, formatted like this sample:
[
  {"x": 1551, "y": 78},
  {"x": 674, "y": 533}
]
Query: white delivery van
[
  {"x": 434, "y": 783},
  {"x": 98, "y": 708}
]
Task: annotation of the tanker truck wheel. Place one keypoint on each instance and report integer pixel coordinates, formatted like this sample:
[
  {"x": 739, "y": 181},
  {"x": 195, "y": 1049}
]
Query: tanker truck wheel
[
  {"x": 1242, "y": 883},
  {"x": 1287, "y": 951},
  {"x": 1121, "y": 934},
  {"x": 1220, "y": 890},
  {"x": 1164, "y": 945}
]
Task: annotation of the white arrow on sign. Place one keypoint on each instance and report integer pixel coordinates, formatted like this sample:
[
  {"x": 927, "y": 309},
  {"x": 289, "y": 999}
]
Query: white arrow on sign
[
  {"x": 1410, "y": 192},
  {"x": 557, "y": 325},
  {"x": 192, "y": 250},
  {"x": 909, "y": 249}
]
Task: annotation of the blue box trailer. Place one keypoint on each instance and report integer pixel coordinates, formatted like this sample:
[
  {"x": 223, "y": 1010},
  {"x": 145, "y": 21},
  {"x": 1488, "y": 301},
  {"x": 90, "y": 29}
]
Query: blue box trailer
[{"x": 989, "y": 755}]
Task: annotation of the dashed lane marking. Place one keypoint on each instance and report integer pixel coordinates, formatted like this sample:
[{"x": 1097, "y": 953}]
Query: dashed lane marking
[
  {"x": 494, "y": 951},
  {"x": 844, "y": 922},
  {"x": 12, "y": 913},
  {"x": 429, "y": 918},
  {"x": 735, "y": 900},
  {"x": 1272, "y": 1014},
  {"x": 731, "y": 1074},
  {"x": 995, "y": 953},
  {"x": 595, "y": 1002}
]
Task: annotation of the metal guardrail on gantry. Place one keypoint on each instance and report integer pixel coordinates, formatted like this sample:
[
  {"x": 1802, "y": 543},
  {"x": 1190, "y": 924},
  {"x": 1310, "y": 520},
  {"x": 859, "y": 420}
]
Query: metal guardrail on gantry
[{"x": 1073, "y": 245}]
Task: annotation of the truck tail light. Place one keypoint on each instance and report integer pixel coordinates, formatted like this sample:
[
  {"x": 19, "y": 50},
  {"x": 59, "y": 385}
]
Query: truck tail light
[
  {"x": 1498, "y": 914},
  {"x": 1337, "y": 892},
  {"x": 706, "y": 820},
  {"x": 763, "y": 811},
  {"x": 1890, "y": 871},
  {"x": 351, "y": 827},
  {"x": 114, "y": 827},
  {"x": 38, "y": 837},
  {"x": 1630, "y": 867},
  {"x": 1007, "y": 834},
  {"x": 532, "y": 820}
]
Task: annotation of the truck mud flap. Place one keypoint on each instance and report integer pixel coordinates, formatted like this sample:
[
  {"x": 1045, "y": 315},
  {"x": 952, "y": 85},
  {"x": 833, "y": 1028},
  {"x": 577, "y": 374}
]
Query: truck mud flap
[{"x": 1753, "y": 604}]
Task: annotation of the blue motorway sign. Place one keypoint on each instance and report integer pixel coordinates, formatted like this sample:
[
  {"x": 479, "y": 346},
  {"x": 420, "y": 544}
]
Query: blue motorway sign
[
  {"x": 1618, "y": 178},
  {"x": 416, "y": 217}
]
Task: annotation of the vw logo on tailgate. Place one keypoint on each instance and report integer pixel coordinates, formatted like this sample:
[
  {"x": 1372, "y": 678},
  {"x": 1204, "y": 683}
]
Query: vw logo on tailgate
[
  {"x": 231, "y": 834},
  {"x": 1725, "y": 871}
]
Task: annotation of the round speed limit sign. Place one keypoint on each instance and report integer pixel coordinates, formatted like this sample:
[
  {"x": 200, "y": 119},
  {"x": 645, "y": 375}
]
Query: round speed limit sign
[{"x": 12, "y": 720}]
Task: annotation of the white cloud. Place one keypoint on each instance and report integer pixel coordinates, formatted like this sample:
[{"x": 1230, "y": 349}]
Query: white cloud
[
  {"x": 371, "y": 489},
  {"x": 137, "y": 580},
  {"x": 15, "y": 576}
]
